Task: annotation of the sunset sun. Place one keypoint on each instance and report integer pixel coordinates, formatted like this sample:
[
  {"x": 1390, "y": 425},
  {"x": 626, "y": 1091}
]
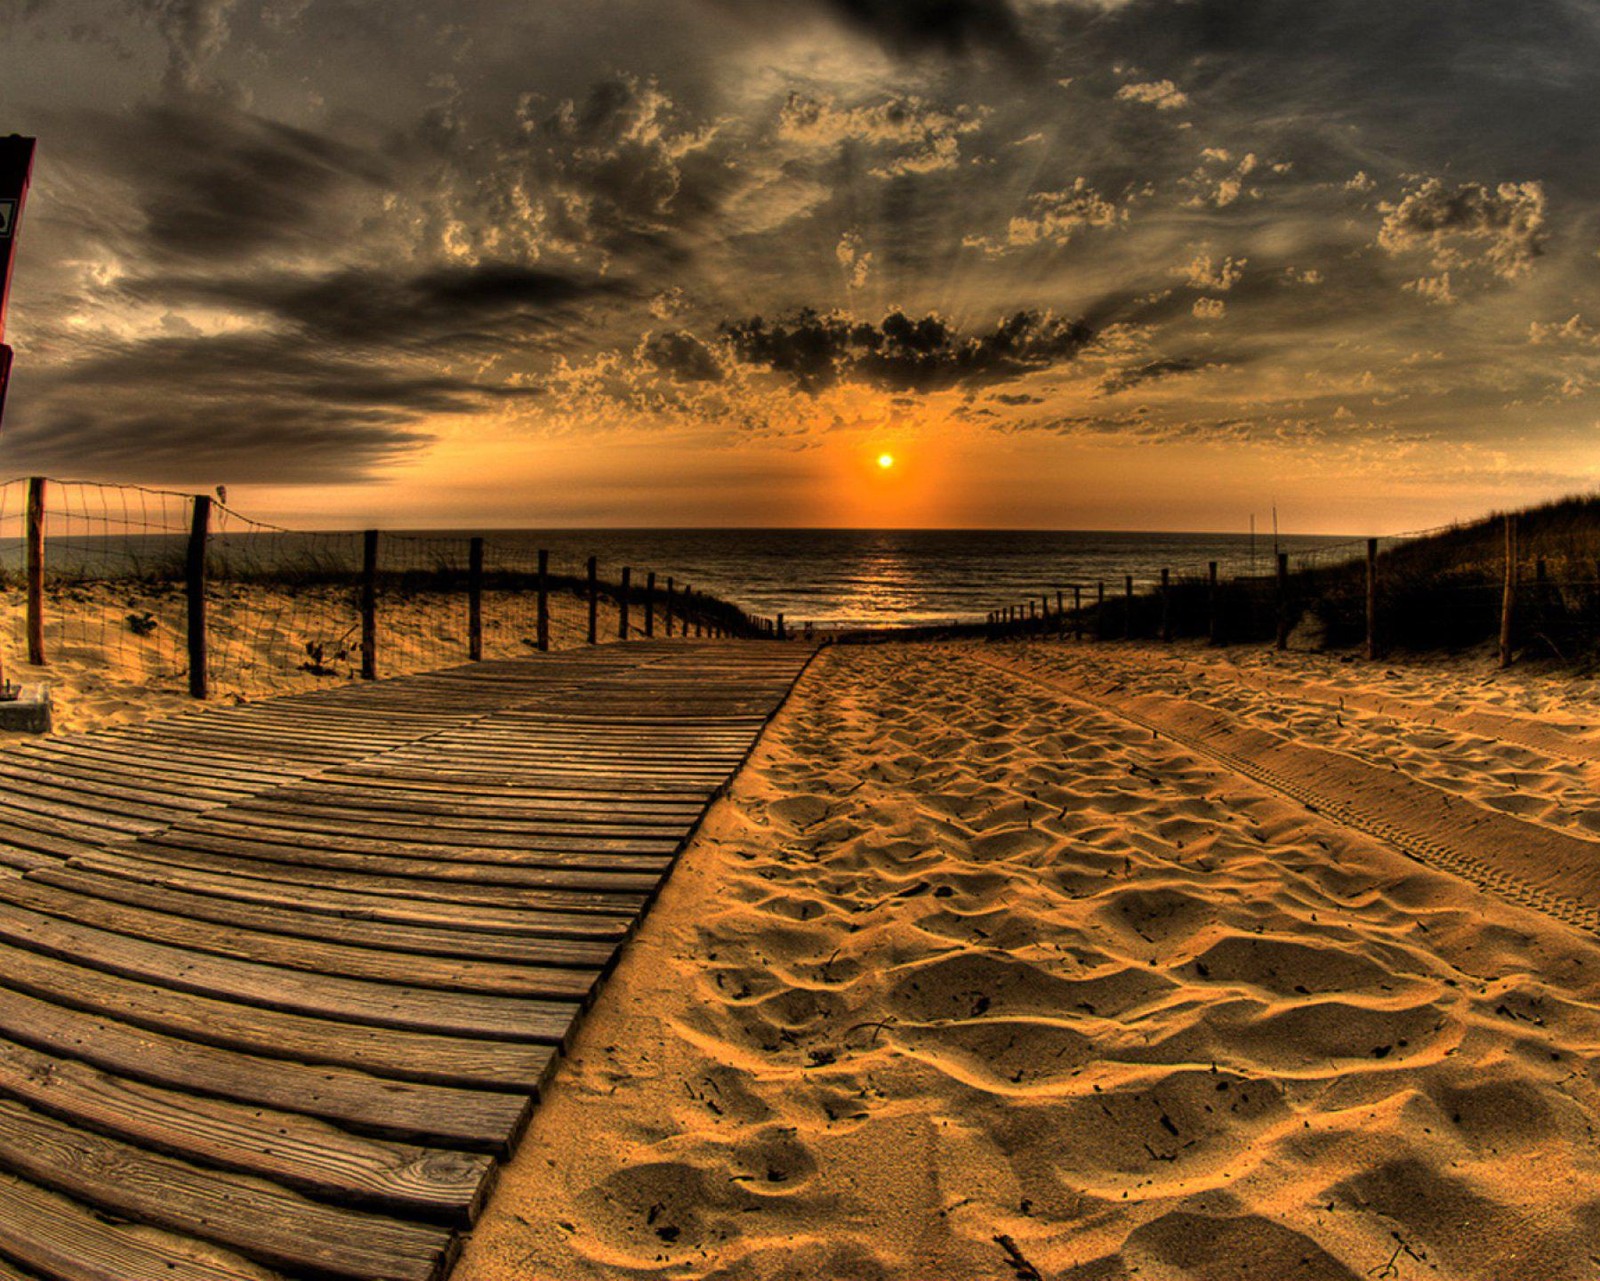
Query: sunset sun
[{"x": 885, "y": 461}]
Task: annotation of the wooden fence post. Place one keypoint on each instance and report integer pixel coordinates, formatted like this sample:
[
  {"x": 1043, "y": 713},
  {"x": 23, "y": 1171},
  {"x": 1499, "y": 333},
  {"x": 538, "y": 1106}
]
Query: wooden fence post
[
  {"x": 1127, "y": 606},
  {"x": 475, "y": 600},
  {"x": 1283, "y": 600},
  {"x": 781, "y": 634},
  {"x": 369, "y": 605},
  {"x": 594, "y": 601},
  {"x": 1100, "y": 610},
  {"x": 1508, "y": 598},
  {"x": 1372, "y": 599},
  {"x": 1166, "y": 604},
  {"x": 668, "y": 611},
  {"x": 1213, "y": 629},
  {"x": 622, "y": 602},
  {"x": 195, "y": 589},
  {"x": 650, "y": 604},
  {"x": 1077, "y": 611},
  {"x": 543, "y": 634},
  {"x": 36, "y": 571}
]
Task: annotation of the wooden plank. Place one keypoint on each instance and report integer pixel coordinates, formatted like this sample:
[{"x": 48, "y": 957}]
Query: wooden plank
[
  {"x": 383, "y": 1051},
  {"x": 171, "y": 897},
  {"x": 311, "y": 1156},
  {"x": 271, "y": 987},
  {"x": 59, "y": 1239},
  {"x": 275, "y": 1226},
  {"x": 314, "y": 957},
  {"x": 482, "y": 884},
  {"x": 483, "y": 1120},
  {"x": 374, "y": 905}
]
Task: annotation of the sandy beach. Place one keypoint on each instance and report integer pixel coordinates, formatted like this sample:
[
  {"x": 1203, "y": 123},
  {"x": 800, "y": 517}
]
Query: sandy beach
[{"x": 1091, "y": 961}]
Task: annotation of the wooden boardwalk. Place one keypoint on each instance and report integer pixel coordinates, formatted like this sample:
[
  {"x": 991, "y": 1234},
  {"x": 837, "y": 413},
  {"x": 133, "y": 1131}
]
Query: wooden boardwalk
[{"x": 279, "y": 983}]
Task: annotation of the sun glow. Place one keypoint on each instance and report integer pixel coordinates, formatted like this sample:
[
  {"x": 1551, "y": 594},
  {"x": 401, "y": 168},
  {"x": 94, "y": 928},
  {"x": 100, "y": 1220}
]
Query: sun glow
[{"x": 885, "y": 461}]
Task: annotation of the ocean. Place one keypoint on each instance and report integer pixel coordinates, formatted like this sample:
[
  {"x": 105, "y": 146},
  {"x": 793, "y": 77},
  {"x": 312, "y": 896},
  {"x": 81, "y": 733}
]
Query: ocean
[
  {"x": 830, "y": 578},
  {"x": 884, "y": 578}
]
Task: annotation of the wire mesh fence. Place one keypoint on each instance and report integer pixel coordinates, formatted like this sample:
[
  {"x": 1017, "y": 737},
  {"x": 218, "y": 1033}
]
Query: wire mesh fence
[{"x": 111, "y": 580}]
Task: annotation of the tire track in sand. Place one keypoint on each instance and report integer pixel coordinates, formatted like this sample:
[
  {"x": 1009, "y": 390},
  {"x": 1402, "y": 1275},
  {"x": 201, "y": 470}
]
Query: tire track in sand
[{"x": 1534, "y": 866}]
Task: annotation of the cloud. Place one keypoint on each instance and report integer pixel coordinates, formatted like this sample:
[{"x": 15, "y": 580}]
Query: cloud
[
  {"x": 1201, "y": 273},
  {"x": 1573, "y": 330},
  {"x": 1434, "y": 289},
  {"x": 1163, "y": 95},
  {"x": 195, "y": 31},
  {"x": 214, "y": 183},
  {"x": 1053, "y": 218},
  {"x": 1209, "y": 308},
  {"x": 816, "y": 351},
  {"x": 945, "y": 26},
  {"x": 1125, "y": 379},
  {"x": 681, "y": 356},
  {"x": 450, "y": 310},
  {"x": 1470, "y": 225},
  {"x": 927, "y": 138},
  {"x": 856, "y": 261}
]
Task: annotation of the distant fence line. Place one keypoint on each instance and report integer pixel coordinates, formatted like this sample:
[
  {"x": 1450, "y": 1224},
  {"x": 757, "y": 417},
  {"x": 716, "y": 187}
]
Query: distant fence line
[
  {"x": 1431, "y": 589},
  {"x": 165, "y": 586}
]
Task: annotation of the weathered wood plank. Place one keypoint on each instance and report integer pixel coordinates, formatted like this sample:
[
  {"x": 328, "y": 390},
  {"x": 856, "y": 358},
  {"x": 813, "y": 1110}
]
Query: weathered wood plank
[
  {"x": 277, "y": 1227},
  {"x": 483, "y": 1120},
  {"x": 59, "y": 1239},
  {"x": 311, "y": 1156}
]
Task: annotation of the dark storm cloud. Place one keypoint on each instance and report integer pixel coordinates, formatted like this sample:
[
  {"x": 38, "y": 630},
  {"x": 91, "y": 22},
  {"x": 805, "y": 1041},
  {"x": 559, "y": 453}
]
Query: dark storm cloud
[
  {"x": 683, "y": 357},
  {"x": 903, "y": 354},
  {"x": 232, "y": 408},
  {"x": 948, "y": 26},
  {"x": 449, "y": 310},
  {"x": 212, "y": 183}
]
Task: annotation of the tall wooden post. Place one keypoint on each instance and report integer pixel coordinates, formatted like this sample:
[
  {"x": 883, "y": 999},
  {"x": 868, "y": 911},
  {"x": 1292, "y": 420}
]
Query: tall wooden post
[
  {"x": 594, "y": 601},
  {"x": 369, "y": 605},
  {"x": 1372, "y": 599},
  {"x": 1077, "y": 611},
  {"x": 543, "y": 616},
  {"x": 194, "y": 582},
  {"x": 36, "y": 571},
  {"x": 1166, "y": 604},
  {"x": 1508, "y": 598},
  {"x": 650, "y": 604},
  {"x": 475, "y": 600},
  {"x": 622, "y": 602},
  {"x": 1213, "y": 628},
  {"x": 1100, "y": 610},
  {"x": 1127, "y": 606},
  {"x": 1283, "y": 600},
  {"x": 781, "y": 634},
  {"x": 668, "y": 615}
]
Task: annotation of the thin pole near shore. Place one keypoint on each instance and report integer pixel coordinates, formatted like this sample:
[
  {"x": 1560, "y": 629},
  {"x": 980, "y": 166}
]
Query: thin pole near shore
[
  {"x": 594, "y": 601},
  {"x": 1372, "y": 599},
  {"x": 1077, "y": 611},
  {"x": 650, "y": 604},
  {"x": 369, "y": 605},
  {"x": 195, "y": 590},
  {"x": 668, "y": 618},
  {"x": 1100, "y": 610},
  {"x": 1283, "y": 600},
  {"x": 475, "y": 600},
  {"x": 1508, "y": 597},
  {"x": 1166, "y": 604},
  {"x": 1212, "y": 629},
  {"x": 542, "y": 636},
  {"x": 36, "y": 571},
  {"x": 622, "y": 603},
  {"x": 1127, "y": 606}
]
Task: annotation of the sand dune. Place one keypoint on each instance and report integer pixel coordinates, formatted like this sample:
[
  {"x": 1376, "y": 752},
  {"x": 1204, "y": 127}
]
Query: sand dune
[{"x": 968, "y": 977}]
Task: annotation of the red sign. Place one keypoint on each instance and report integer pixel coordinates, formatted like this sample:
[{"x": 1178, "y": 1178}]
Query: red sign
[{"x": 16, "y": 166}]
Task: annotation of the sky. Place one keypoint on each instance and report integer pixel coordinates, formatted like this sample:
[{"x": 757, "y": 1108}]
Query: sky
[{"x": 1075, "y": 264}]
